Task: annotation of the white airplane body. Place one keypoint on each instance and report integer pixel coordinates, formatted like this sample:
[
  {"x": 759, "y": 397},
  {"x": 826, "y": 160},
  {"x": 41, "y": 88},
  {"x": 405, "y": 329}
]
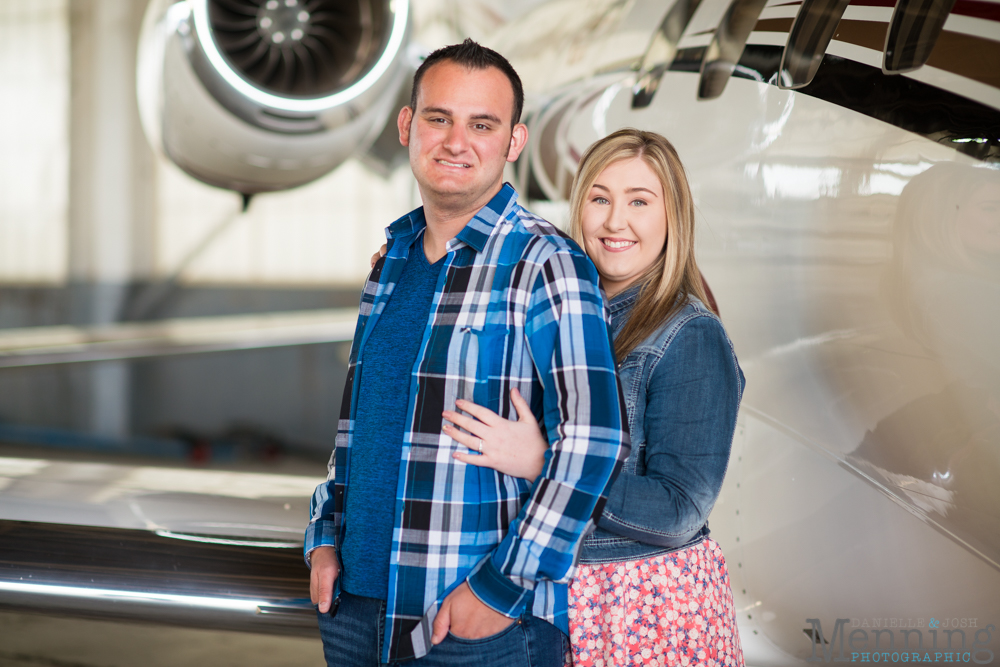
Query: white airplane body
[{"x": 861, "y": 483}]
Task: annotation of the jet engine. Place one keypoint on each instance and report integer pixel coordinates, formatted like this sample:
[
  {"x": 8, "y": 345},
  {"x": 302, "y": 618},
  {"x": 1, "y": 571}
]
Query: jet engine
[{"x": 264, "y": 95}]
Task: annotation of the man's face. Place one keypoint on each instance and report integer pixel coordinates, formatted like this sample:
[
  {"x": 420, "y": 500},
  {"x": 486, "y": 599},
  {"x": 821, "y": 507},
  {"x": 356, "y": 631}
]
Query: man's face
[{"x": 460, "y": 136}]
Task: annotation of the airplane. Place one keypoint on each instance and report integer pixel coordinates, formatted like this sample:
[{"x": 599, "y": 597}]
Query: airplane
[{"x": 845, "y": 161}]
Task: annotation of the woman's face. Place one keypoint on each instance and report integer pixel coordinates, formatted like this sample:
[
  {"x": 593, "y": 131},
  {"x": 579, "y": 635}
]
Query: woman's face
[{"x": 624, "y": 222}]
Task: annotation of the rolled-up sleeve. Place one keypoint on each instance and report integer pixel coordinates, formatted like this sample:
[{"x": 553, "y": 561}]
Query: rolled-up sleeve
[{"x": 322, "y": 529}]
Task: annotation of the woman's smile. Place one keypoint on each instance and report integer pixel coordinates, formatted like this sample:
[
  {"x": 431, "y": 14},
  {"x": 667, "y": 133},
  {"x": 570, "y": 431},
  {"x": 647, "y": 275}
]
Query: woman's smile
[{"x": 617, "y": 245}]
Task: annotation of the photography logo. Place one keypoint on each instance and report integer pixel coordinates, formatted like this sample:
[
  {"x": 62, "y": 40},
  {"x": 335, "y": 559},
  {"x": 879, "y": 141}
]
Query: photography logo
[{"x": 898, "y": 640}]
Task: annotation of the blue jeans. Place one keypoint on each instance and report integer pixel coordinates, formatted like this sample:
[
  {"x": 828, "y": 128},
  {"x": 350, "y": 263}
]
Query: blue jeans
[{"x": 353, "y": 638}]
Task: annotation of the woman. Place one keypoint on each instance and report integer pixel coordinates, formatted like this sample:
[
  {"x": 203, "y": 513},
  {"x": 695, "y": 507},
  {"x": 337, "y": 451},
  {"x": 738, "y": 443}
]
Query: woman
[{"x": 652, "y": 587}]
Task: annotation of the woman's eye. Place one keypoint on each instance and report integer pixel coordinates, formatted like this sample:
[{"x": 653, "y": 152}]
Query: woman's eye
[
  {"x": 599, "y": 200},
  {"x": 638, "y": 202}
]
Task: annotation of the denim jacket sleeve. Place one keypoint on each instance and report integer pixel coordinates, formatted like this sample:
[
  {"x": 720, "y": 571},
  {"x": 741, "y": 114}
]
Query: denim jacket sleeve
[{"x": 692, "y": 397}]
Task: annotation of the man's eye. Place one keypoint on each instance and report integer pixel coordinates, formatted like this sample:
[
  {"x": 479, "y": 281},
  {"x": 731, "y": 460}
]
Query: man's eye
[{"x": 480, "y": 126}]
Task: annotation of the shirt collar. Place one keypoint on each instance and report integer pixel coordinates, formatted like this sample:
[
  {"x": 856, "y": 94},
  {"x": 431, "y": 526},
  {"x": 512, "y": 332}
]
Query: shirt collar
[
  {"x": 407, "y": 227},
  {"x": 475, "y": 233}
]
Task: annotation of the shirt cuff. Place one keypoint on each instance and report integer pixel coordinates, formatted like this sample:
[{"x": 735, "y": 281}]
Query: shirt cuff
[
  {"x": 496, "y": 591},
  {"x": 320, "y": 533}
]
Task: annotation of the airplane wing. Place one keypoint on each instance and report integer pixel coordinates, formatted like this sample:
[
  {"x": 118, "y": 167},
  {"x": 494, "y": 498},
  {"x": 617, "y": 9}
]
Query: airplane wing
[
  {"x": 195, "y": 548},
  {"x": 38, "y": 346}
]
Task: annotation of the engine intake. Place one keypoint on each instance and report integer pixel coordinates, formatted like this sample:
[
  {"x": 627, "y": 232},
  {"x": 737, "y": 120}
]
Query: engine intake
[
  {"x": 263, "y": 95},
  {"x": 311, "y": 48}
]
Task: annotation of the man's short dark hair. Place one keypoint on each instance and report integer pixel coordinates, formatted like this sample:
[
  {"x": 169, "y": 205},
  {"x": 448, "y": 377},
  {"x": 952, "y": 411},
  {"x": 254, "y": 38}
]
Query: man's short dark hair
[{"x": 474, "y": 56}]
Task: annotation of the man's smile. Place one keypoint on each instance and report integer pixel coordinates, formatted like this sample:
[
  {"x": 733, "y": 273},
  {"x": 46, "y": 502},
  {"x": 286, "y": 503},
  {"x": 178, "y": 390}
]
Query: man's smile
[{"x": 454, "y": 164}]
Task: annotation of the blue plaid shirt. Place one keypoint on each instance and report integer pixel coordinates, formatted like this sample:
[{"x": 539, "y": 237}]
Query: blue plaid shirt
[{"x": 517, "y": 305}]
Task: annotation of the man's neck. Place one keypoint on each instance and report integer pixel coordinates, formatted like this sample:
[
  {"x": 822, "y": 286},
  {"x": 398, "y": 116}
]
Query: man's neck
[{"x": 445, "y": 222}]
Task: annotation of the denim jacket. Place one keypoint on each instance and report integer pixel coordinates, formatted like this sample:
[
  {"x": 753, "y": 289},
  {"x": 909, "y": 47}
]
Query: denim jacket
[{"x": 682, "y": 388}]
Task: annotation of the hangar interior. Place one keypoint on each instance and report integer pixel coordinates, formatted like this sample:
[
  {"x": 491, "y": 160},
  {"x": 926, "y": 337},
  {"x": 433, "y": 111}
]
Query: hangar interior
[
  {"x": 98, "y": 229},
  {"x": 101, "y": 235},
  {"x": 165, "y": 344}
]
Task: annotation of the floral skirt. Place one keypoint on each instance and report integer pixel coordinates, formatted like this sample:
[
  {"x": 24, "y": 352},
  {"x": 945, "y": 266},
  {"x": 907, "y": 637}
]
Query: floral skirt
[{"x": 674, "y": 609}]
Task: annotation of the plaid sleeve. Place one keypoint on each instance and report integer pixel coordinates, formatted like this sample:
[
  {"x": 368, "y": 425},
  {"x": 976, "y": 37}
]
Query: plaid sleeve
[
  {"x": 326, "y": 504},
  {"x": 583, "y": 409},
  {"x": 322, "y": 530}
]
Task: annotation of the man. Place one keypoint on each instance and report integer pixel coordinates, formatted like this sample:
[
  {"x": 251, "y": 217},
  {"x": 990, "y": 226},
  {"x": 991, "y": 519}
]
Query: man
[{"x": 436, "y": 560}]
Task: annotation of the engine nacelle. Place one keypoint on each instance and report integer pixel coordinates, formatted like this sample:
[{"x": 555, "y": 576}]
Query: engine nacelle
[{"x": 264, "y": 95}]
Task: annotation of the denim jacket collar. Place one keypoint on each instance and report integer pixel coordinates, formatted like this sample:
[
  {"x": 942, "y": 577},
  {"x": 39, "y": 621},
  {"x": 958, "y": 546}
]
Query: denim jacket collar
[
  {"x": 624, "y": 299},
  {"x": 620, "y": 305}
]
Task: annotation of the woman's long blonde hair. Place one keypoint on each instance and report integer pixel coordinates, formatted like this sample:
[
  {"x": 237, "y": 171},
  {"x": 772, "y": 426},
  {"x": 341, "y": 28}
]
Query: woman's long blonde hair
[{"x": 671, "y": 281}]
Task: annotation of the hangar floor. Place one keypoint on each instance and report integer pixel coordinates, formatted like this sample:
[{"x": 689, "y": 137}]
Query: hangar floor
[{"x": 40, "y": 641}]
